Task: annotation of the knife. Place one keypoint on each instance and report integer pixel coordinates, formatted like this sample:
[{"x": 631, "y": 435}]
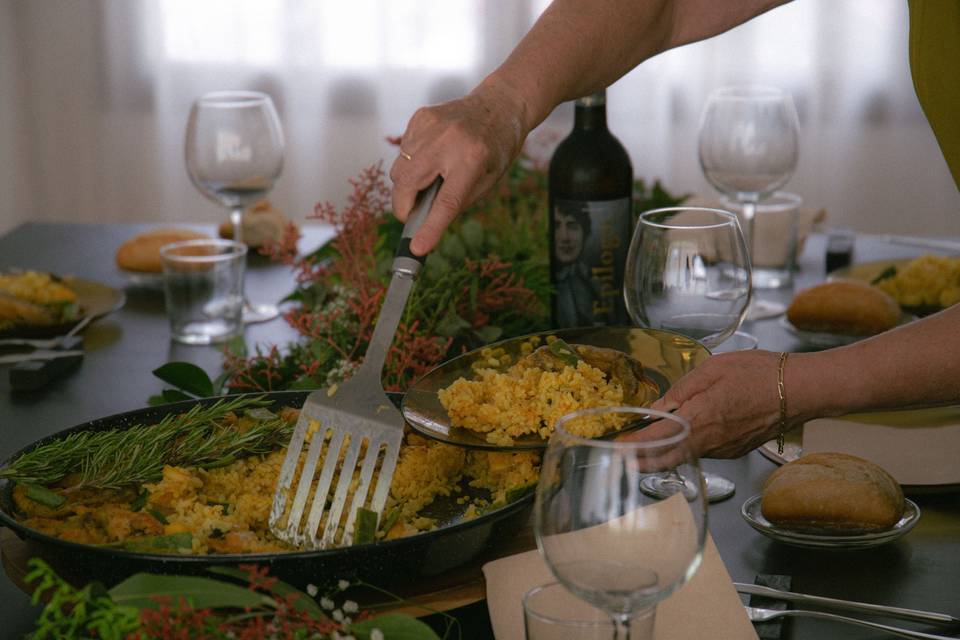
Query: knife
[
  {"x": 39, "y": 354},
  {"x": 925, "y": 243},
  {"x": 860, "y": 607}
]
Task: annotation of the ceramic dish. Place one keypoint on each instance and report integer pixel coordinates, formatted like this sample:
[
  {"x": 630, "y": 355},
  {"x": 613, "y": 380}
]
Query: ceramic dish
[
  {"x": 869, "y": 272},
  {"x": 751, "y": 513},
  {"x": 665, "y": 356},
  {"x": 143, "y": 280},
  {"x": 824, "y": 340},
  {"x": 93, "y": 298}
]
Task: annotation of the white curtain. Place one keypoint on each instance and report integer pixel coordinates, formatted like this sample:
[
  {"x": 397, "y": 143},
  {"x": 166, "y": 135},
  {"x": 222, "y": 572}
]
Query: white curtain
[{"x": 94, "y": 96}]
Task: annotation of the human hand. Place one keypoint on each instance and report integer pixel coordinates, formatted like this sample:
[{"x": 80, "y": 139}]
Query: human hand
[
  {"x": 470, "y": 142},
  {"x": 730, "y": 400}
]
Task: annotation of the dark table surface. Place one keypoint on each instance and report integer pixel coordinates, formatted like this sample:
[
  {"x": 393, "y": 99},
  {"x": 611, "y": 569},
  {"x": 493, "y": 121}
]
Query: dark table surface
[{"x": 921, "y": 570}]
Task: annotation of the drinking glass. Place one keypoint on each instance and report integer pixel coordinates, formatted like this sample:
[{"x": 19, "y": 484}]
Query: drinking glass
[
  {"x": 748, "y": 148},
  {"x": 688, "y": 271},
  {"x": 603, "y": 538},
  {"x": 234, "y": 153}
]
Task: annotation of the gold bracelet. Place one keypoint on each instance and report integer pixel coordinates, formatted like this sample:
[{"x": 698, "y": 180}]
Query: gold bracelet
[{"x": 783, "y": 402}]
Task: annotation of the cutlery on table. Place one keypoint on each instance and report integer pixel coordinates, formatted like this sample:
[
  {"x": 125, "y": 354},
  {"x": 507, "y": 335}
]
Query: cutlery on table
[
  {"x": 41, "y": 354},
  {"x": 847, "y": 605},
  {"x": 47, "y": 343},
  {"x": 356, "y": 411},
  {"x": 925, "y": 243},
  {"x": 765, "y": 615}
]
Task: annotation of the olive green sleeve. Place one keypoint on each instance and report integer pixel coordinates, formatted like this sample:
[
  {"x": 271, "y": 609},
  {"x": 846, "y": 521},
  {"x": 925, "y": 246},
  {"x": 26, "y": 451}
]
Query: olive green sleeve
[{"x": 935, "y": 66}]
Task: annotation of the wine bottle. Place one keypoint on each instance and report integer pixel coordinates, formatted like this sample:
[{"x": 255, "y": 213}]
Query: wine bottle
[{"x": 590, "y": 197}]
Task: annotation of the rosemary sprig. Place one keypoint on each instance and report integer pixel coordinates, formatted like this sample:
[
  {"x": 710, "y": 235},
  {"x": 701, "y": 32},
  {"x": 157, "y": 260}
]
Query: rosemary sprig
[{"x": 118, "y": 457}]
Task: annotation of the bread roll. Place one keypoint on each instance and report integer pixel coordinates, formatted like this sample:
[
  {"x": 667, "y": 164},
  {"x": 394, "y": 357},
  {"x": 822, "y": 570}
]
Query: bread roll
[
  {"x": 845, "y": 307},
  {"x": 832, "y": 492},
  {"x": 142, "y": 251},
  {"x": 262, "y": 224}
]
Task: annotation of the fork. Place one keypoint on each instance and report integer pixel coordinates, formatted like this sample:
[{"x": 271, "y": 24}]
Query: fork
[
  {"x": 358, "y": 411},
  {"x": 765, "y": 615},
  {"x": 47, "y": 343}
]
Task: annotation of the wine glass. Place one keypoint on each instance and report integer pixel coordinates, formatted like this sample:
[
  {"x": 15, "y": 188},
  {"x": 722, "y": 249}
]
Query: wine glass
[
  {"x": 234, "y": 153},
  {"x": 748, "y": 147},
  {"x": 688, "y": 271},
  {"x": 603, "y": 538}
]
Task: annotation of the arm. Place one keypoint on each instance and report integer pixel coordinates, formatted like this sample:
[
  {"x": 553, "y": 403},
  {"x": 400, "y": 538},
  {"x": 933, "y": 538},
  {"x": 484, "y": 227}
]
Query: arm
[
  {"x": 575, "y": 48},
  {"x": 731, "y": 399}
]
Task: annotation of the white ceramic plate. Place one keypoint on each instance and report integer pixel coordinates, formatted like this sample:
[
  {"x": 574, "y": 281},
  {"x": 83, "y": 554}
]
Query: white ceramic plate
[
  {"x": 143, "y": 280},
  {"x": 825, "y": 340},
  {"x": 751, "y": 513}
]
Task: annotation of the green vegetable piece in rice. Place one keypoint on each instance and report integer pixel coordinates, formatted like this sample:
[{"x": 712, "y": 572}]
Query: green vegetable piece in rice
[
  {"x": 365, "y": 527},
  {"x": 173, "y": 542},
  {"x": 564, "y": 352},
  {"x": 516, "y": 493},
  {"x": 44, "y": 496},
  {"x": 140, "y": 501}
]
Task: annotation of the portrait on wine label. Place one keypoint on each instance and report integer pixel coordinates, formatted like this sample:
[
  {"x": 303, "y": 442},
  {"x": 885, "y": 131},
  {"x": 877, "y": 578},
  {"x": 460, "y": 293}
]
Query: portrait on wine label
[{"x": 589, "y": 242}]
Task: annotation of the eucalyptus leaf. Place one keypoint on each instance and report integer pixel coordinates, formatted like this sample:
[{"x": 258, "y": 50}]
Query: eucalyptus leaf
[
  {"x": 186, "y": 376},
  {"x": 156, "y": 401},
  {"x": 303, "y": 383},
  {"x": 472, "y": 233},
  {"x": 142, "y": 590},
  {"x": 451, "y": 324},
  {"x": 394, "y": 626},
  {"x": 453, "y": 248},
  {"x": 488, "y": 333},
  {"x": 278, "y": 588},
  {"x": 174, "y": 395},
  {"x": 436, "y": 265}
]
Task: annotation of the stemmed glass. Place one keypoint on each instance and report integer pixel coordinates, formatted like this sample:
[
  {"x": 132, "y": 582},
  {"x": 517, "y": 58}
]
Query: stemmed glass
[
  {"x": 748, "y": 147},
  {"x": 604, "y": 539},
  {"x": 688, "y": 271},
  {"x": 234, "y": 153}
]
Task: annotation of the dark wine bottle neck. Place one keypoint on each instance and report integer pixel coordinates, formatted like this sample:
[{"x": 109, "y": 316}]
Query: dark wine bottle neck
[{"x": 590, "y": 113}]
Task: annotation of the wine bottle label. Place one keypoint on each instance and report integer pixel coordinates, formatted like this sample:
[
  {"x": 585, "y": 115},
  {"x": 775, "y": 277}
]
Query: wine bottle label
[{"x": 590, "y": 243}]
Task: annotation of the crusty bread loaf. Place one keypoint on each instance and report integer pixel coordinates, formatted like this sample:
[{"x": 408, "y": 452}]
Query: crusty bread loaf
[
  {"x": 142, "y": 251},
  {"x": 832, "y": 492},
  {"x": 262, "y": 224},
  {"x": 846, "y": 307}
]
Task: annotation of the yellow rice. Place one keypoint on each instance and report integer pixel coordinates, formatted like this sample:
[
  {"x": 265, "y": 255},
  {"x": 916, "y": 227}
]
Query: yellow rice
[{"x": 527, "y": 400}]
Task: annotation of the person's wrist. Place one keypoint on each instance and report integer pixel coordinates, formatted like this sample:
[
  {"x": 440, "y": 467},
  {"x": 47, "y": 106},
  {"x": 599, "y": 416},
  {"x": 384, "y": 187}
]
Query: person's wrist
[
  {"x": 809, "y": 387},
  {"x": 511, "y": 101}
]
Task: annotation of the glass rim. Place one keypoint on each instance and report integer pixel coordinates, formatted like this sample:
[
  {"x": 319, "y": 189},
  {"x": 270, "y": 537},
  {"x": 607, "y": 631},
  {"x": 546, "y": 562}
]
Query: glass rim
[
  {"x": 236, "y": 250},
  {"x": 749, "y": 91},
  {"x": 788, "y": 200},
  {"x": 233, "y": 98},
  {"x": 731, "y": 218},
  {"x": 668, "y": 441},
  {"x": 583, "y": 624}
]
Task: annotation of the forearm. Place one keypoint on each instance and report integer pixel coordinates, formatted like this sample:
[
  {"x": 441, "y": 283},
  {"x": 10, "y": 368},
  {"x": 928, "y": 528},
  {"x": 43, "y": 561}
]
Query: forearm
[
  {"x": 915, "y": 365},
  {"x": 578, "y": 47}
]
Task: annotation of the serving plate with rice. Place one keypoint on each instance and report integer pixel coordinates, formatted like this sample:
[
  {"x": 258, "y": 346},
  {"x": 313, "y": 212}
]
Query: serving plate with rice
[
  {"x": 460, "y": 524},
  {"x": 486, "y": 399}
]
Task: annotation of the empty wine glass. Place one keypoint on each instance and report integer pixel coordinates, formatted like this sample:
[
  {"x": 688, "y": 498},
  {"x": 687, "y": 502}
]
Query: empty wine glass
[
  {"x": 748, "y": 148},
  {"x": 688, "y": 271},
  {"x": 604, "y": 539},
  {"x": 234, "y": 153}
]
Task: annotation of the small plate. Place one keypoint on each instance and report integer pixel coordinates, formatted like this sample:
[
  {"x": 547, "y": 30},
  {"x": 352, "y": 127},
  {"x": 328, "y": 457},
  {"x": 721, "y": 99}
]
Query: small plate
[
  {"x": 751, "y": 513},
  {"x": 870, "y": 271},
  {"x": 665, "y": 355},
  {"x": 93, "y": 298},
  {"x": 824, "y": 340},
  {"x": 143, "y": 280}
]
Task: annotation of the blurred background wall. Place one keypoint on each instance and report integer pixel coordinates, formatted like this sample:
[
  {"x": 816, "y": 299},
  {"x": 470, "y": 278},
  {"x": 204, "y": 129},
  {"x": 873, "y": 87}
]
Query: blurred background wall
[{"x": 94, "y": 96}]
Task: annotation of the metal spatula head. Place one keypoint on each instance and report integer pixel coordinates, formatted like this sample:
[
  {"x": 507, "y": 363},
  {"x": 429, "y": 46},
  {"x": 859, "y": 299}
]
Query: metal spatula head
[{"x": 354, "y": 431}]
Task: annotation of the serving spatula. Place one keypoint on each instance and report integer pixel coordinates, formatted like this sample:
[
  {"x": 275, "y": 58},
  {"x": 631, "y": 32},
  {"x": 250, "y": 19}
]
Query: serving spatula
[{"x": 355, "y": 421}]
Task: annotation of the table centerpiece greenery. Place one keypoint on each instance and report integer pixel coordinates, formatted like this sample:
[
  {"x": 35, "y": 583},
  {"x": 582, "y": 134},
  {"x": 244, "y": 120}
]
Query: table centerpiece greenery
[{"x": 487, "y": 280}]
